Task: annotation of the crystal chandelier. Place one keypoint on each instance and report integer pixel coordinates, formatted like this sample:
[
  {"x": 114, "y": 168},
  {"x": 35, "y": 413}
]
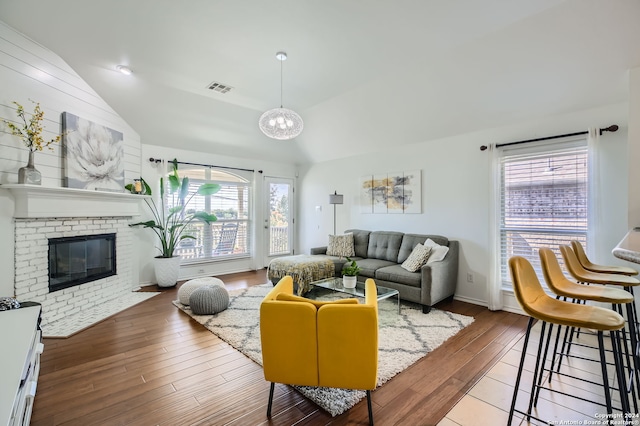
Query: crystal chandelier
[{"x": 281, "y": 123}]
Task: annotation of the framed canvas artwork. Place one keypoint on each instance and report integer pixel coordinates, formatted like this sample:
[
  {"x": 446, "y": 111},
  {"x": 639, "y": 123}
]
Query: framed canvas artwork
[
  {"x": 412, "y": 192},
  {"x": 94, "y": 155},
  {"x": 393, "y": 193},
  {"x": 380, "y": 189},
  {"x": 366, "y": 194}
]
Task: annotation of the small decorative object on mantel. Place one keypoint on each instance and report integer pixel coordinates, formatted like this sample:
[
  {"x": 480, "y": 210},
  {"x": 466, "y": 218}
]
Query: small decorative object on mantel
[
  {"x": 31, "y": 134},
  {"x": 137, "y": 186}
]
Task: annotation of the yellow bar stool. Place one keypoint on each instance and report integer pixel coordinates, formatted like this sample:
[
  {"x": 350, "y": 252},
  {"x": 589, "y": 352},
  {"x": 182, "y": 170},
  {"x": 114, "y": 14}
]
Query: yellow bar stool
[
  {"x": 603, "y": 269},
  {"x": 565, "y": 288},
  {"x": 539, "y": 305},
  {"x": 577, "y": 271},
  {"x": 583, "y": 275}
]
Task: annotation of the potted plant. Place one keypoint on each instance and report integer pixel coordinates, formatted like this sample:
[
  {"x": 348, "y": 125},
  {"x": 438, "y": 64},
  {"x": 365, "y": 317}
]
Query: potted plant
[
  {"x": 350, "y": 272},
  {"x": 170, "y": 224}
]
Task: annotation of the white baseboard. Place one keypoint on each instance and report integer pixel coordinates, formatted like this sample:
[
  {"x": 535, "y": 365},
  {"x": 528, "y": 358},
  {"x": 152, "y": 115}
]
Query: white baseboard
[
  {"x": 471, "y": 300},
  {"x": 507, "y": 306}
]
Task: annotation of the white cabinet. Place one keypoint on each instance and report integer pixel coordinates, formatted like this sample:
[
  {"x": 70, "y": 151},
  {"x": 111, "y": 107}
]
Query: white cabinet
[{"x": 21, "y": 346}]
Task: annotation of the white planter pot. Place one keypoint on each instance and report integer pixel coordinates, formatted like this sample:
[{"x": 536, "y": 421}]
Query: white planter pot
[
  {"x": 349, "y": 282},
  {"x": 167, "y": 270}
]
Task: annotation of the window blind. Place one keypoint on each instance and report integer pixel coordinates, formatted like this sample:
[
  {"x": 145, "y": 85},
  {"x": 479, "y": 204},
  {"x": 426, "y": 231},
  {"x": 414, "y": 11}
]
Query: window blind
[
  {"x": 544, "y": 202},
  {"x": 230, "y": 235}
]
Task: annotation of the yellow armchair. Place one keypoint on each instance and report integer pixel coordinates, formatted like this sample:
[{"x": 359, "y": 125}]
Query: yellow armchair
[{"x": 310, "y": 343}]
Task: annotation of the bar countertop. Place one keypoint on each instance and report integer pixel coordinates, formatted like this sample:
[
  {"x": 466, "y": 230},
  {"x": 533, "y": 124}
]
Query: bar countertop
[{"x": 629, "y": 248}]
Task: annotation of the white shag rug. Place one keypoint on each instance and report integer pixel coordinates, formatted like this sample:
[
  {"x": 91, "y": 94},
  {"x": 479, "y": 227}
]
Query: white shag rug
[{"x": 403, "y": 339}]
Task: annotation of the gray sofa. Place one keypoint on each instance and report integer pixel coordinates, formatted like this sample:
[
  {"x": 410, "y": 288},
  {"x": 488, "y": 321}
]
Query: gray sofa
[{"x": 380, "y": 254}]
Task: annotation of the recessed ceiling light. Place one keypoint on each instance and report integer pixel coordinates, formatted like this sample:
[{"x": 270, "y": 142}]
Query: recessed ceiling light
[{"x": 124, "y": 69}]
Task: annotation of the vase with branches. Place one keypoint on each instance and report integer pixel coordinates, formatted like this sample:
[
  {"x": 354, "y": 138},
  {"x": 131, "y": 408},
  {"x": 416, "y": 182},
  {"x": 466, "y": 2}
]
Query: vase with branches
[{"x": 30, "y": 132}]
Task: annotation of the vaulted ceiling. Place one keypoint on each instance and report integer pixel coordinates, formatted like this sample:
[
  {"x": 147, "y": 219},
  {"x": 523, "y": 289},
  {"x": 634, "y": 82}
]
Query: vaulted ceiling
[{"x": 363, "y": 74}]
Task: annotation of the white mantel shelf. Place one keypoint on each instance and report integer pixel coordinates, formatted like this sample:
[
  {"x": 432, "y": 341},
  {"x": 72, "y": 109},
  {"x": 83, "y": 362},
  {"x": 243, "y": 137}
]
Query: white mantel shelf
[{"x": 35, "y": 201}]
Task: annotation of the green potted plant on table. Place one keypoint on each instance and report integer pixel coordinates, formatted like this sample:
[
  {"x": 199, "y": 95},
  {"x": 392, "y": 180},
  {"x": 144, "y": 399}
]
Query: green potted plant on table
[
  {"x": 170, "y": 224},
  {"x": 350, "y": 272}
]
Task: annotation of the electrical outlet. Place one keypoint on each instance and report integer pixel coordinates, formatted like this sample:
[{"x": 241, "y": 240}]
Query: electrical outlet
[{"x": 469, "y": 277}]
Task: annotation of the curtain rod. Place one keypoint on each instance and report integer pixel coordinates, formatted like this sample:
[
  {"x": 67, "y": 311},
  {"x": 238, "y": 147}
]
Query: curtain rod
[
  {"x": 157, "y": 160},
  {"x": 612, "y": 128}
]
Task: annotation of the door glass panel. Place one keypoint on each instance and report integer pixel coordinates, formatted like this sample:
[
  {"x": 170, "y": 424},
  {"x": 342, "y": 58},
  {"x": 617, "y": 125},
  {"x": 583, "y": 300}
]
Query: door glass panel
[{"x": 279, "y": 219}]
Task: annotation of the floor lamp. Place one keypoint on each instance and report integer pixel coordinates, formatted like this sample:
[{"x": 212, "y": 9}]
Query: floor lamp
[{"x": 334, "y": 199}]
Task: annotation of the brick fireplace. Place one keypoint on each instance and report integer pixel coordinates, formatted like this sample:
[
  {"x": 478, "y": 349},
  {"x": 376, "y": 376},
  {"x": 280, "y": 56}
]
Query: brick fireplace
[
  {"x": 47, "y": 213},
  {"x": 32, "y": 263}
]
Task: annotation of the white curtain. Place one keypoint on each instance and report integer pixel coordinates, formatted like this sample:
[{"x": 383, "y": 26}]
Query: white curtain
[
  {"x": 595, "y": 187},
  {"x": 494, "y": 289}
]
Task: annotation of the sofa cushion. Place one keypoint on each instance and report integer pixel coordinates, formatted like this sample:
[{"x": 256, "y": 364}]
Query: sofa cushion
[
  {"x": 409, "y": 241},
  {"x": 385, "y": 245},
  {"x": 369, "y": 266},
  {"x": 360, "y": 241},
  {"x": 341, "y": 245},
  {"x": 397, "y": 274},
  {"x": 338, "y": 262},
  {"x": 417, "y": 258}
]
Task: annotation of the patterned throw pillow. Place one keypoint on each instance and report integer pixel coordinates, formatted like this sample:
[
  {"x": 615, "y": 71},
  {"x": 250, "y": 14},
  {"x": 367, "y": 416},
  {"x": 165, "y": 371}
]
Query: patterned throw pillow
[
  {"x": 341, "y": 245},
  {"x": 417, "y": 258}
]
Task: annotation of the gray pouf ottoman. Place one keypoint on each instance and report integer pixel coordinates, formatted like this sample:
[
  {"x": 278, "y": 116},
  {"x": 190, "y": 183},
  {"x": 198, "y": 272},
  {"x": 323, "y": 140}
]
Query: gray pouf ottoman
[
  {"x": 209, "y": 300},
  {"x": 186, "y": 289}
]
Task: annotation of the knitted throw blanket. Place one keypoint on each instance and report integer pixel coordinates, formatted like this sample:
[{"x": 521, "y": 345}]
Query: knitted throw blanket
[{"x": 303, "y": 268}]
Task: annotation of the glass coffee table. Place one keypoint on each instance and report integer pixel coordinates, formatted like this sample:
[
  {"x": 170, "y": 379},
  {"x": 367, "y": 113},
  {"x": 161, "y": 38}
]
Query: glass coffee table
[{"x": 334, "y": 285}]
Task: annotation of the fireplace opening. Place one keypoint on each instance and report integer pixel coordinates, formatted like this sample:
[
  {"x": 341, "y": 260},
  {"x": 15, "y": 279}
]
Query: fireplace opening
[{"x": 77, "y": 260}]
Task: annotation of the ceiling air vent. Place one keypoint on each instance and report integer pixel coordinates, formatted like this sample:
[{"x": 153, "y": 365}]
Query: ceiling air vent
[{"x": 219, "y": 87}]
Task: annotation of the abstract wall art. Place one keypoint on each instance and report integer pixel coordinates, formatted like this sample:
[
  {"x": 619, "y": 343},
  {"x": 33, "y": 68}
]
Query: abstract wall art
[
  {"x": 392, "y": 193},
  {"x": 366, "y": 194},
  {"x": 412, "y": 192},
  {"x": 380, "y": 189},
  {"x": 94, "y": 155}
]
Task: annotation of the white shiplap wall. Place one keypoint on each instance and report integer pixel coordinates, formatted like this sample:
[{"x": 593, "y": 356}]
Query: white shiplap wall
[{"x": 28, "y": 70}]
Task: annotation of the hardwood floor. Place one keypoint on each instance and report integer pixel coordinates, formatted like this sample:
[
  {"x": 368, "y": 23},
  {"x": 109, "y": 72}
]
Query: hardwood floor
[{"x": 152, "y": 364}]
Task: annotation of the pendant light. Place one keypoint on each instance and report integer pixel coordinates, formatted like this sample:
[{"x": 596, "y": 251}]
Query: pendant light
[{"x": 281, "y": 123}]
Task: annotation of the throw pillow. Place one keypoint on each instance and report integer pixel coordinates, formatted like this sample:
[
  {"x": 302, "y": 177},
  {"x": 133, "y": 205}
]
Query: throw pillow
[
  {"x": 417, "y": 258},
  {"x": 438, "y": 252},
  {"x": 341, "y": 245}
]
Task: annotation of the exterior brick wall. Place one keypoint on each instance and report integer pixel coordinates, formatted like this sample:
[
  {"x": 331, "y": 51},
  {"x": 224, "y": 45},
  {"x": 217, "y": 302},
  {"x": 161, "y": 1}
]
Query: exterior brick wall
[{"x": 32, "y": 264}]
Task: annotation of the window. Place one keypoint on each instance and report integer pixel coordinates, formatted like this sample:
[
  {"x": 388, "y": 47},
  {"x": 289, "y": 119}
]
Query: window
[
  {"x": 543, "y": 201},
  {"x": 230, "y": 235}
]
